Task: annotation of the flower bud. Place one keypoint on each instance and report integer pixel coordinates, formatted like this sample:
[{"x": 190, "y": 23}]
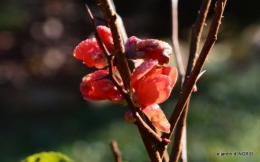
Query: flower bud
[
  {"x": 148, "y": 49},
  {"x": 166, "y": 141},
  {"x": 129, "y": 118}
]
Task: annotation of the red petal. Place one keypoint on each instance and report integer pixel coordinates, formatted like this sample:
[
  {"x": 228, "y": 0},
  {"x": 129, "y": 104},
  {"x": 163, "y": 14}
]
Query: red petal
[
  {"x": 142, "y": 70},
  {"x": 106, "y": 36},
  {"x": 84, "y": 50},
  {"x": 106, "y": 89},
  {"x": 98, "y": 74},
  {"x": 99, "y": 59},
  {"x": 89, "y": 94},
  {"x": 96, "y": 87},
  {"x": 153, "y": 90},
  {"x": 157, "y": 117},
  {"x": 87, "y": 90},
  {"x": 172, "y": 72}
]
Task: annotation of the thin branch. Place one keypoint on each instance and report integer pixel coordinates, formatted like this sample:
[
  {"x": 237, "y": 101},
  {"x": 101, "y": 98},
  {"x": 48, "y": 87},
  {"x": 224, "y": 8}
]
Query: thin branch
[
  {"x": 196, "y": 34},
  {"x": 188, "y": 87},
  {"x": 184, "y": 157},
  {"x": 155, "y": 136},
  {"x": 100, "y": 42},
  {"x": 107, "y": 54},
  {"x": 175, "y": 39},
  {"x": 122, "y": 64},
  {"x": 180, "y": 134},
  {"x": 179, "y": 137},
  {"x": 120, "y": 23},
  {"x": 124, "y": 71},
  {"x": 179, "y": 63},
  {"x": 115, "y": 150}
]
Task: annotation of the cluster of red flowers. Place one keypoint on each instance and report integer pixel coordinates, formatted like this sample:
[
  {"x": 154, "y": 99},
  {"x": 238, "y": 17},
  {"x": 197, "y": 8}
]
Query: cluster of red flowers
[{"x": 151, "y": 81}]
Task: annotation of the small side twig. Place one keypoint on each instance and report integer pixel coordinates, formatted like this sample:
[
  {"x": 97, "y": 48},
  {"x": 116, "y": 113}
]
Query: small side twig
[
  {"x": 175, "y": 40},
  {"x": 188, "y": 87},
  {"x": 180, "y": 67},
  {"x": 153, "y": 134},
  {"x": 115, "y": 150},
  {"x": 180, "y": 134}
]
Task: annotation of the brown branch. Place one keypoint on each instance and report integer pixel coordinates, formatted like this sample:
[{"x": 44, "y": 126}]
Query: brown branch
[
  {"x": 122, "y": 64},
  {"x": 178, "y": 58},
  {"x": 180, "y": 135},
  {"x": 115, "y": 150},
  {"x": 153, "y": 134},
  {"x": 188, "y": 87},
  {"x": 150, "y": 144},
  {"x": 123, "y": 69},
  {"x": 120, "y": 23},
  {"x": 100, "y": 42},
  {"x": 196, "y": 34}
]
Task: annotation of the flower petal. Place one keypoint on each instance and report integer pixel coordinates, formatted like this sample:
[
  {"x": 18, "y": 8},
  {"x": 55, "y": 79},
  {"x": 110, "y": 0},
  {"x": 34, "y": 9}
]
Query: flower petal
[
  {"x": 172, "y": 72},
  {"x": 153, "y": 90},
  {"x": 87, "y": 90},
  {"x": 106, "y": 89},
  {"x": 156, "y": 50},
  {"x": 90, "y": 53},
  {"x": 130, "y": 48},
  {"x": 99, "y": 59},
  {"x": 157, "y": 117},
  {"x": 142, "y": 70},
  {"x": 95, "y": 86},
  {"x": 106, "y": 36},
  {"x": 85, "y": 48}
]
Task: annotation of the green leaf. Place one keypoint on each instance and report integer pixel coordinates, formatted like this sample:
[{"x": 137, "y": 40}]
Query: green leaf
[{"x": 48, "y": 157}]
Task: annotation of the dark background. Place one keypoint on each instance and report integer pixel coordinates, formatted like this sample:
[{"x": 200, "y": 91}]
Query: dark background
[{"x": 41, "y": 108}]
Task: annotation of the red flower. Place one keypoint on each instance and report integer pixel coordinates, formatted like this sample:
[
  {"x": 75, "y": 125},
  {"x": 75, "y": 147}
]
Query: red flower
[
  {"x": 157, "y": 117},
  {"x": 152, "y": 84},
  {"x": 96, "y": 87},
  {"x": 90, "y": 52},
  {"x": 148, "y": 49}
]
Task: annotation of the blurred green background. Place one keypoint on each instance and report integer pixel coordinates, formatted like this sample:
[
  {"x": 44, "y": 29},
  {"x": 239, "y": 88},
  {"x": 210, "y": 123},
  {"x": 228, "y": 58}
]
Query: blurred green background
[{"x": 41, "y": 108}]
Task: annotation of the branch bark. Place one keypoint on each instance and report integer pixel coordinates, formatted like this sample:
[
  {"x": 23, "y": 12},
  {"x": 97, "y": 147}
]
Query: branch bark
[
  {"x": 175, "y": 40},
  {"x": 123, "y": 68},
  {"x": 122, "y": 64},
  {"x": 180, "y": 134},
  {"x": 191, "y": 81},
  {"x": 116, "y": 151}
]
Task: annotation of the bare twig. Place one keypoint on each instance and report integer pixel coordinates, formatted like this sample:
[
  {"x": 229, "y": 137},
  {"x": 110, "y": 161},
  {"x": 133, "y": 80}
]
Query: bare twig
[
  {"x": 123, "y": 69},
  {"x": 188, "y": 87},
  {"x": 122, "y": 64},
  {"x": 179, "y": 62},
  {"x": 155, "y": 136},
  {"x": 103, "y": 47},
  {"x": 180, "y": 134},
  {"x": 179, "y": 137},
  {"x": 196, "y": 34},
  {"x": 116, "y": 151},
  {"x": 120, "y": 23},
  {"x": 184, "y": 157},
  {"x": 175, "y": 39}
]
